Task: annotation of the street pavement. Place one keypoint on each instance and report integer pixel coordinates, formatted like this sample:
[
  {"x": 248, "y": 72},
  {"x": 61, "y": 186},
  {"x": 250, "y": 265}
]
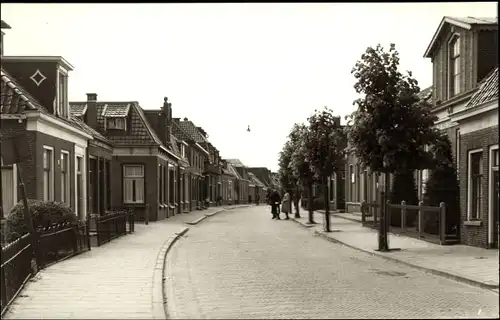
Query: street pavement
[
  {"x": 114, "y": 281},
  {"x": 242, "y": 264}
]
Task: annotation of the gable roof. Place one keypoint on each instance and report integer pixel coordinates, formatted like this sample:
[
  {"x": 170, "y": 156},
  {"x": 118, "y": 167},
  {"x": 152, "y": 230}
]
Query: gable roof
[
  {"x": 233, "y": 171},
  {"x": 179, "y": 133},
  {"x": 91, "y": 131},
  {"x": 426, "y": 94},
  {"x": 255, "y": 180},
  {"x": 189, "y": 127},
  {"x": 462, "y": 22},
  {"x": 235, "y": 162},
  {"x": 141, "y": 132},
  {"x": 183, "y": 161},
  {"x": 15, "y": 99},
  {"x": 488, "y": 90},
  {"x": 116, "y": 110}
]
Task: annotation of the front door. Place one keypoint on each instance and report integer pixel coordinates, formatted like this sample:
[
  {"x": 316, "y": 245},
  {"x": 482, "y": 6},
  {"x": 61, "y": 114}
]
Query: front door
[{"x": 496, "y": 219}]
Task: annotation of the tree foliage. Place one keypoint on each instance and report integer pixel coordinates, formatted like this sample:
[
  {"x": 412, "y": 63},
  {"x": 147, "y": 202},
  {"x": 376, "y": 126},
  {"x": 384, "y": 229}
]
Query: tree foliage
[
  {"x": 391, "y": 126},
  {"x": 442, "y": 186},
  {"x": 325, "y": 147}
]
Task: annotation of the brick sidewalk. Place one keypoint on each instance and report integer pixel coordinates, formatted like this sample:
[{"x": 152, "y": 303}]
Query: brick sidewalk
[
  {"x": 114, "y": 281},
  {"x": 473, "y": 265}
]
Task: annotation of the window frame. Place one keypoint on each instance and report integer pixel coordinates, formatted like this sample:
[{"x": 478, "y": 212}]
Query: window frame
[
  {"x": 134, "y": 186},
  {"x": 112, "y": 123},
  {"x": 470, "y": 185},
  {"x": 51, "y": 176},
  {"x": 457, "y": 151},
  {"x": 62, "y": 94},
  {"x": 454, "y": 76},
  {"x": 67, "y": 182}
]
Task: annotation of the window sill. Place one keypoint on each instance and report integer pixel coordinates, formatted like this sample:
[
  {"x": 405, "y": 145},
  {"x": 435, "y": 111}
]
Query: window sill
[{"x": 473, "y": 223}]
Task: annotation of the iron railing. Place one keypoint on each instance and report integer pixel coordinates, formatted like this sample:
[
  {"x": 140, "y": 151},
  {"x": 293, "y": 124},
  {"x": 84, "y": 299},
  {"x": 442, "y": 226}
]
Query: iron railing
[
  {"x": 16, "y": 268},
  {"x": 113, "y": 225}
]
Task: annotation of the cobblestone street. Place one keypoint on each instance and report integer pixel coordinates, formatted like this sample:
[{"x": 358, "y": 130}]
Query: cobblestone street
[{"x": 242, "y": 264}]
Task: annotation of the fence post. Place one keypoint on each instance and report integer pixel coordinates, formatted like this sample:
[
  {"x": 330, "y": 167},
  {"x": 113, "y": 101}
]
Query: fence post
[
  {"x": 146, "y": 215},
  {"x": 98, "y": 231},
  {"x": 363, "y": 211},
  {"x": 442, "y": 222},
  {"x": 403, "y": 214},
  {"x": 420, "y": 217},
  {"x": 87, "y": 232}
]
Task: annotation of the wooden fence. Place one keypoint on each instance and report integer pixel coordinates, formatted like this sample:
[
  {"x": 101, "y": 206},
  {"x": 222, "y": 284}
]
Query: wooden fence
[
  {"x": 113, "y": 225},
  {"x": 370, "y": 214}
]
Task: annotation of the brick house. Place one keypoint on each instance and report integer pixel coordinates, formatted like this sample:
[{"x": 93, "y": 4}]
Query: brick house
[
  {"x": 197, "y": 156},
  {"x": 243, "y": 183},
  {"x": 213, "y": 170},
  {"x": 35, "y": 103},
  {"x": 139, "y": 156},
  {"x": 229, "y": 181},
  {"x": 464, "y": 54},
  {"x": 256, "y": 187}
]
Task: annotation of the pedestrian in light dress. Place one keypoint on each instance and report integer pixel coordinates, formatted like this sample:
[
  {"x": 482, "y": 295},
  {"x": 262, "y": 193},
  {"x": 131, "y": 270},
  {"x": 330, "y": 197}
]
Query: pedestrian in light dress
[{"x": 285, "y": 205}]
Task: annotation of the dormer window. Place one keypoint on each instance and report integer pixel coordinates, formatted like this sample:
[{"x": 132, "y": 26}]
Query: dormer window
[
  {"x": 62, "y": 95},
  {"x": 116, "y": 123},
  {"x": 454, "y": 66}
]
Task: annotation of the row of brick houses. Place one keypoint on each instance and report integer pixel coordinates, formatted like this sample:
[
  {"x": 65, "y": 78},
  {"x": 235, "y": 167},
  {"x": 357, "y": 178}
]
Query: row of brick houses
[
  {"x": 99, "y": 155},
  {"x": 464, "y": 96}
]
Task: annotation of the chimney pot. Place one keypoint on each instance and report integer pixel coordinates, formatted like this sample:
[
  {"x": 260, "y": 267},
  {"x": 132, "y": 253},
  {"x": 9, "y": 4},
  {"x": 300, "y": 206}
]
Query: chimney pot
[{"x": 91, "y": 96}]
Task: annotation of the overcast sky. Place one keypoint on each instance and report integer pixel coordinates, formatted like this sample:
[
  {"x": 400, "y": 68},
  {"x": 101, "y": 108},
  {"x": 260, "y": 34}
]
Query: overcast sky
[{"x": 227, "y": 66}]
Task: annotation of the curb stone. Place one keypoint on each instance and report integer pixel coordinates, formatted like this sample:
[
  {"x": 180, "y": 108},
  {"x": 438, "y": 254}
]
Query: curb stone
[
  {"x": 483, "y": 285},
  {"x": 192, "y": 223},
  {"x": 158, "y": 300}
]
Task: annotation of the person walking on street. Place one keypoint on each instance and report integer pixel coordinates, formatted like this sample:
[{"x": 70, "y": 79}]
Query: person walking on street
[
  {"x": 257, "y": 199},
  {"x": 275, "y": 204},
  {"x": 249, "y": 199},
  {"x": 285, "y": 206}
]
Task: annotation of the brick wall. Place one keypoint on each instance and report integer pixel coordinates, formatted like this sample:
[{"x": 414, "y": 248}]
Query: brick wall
[{"x": 484, "y": 138}]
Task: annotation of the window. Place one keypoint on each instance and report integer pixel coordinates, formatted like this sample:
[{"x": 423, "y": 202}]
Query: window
[
  {"x": 171, "y": 184},
  {"x": 62, "y": 103},
  {"x": 183, "y": 150},
  {"x": 108, "y": 184},
  {"x": 65, "y": 185},
  {"x": 494, "y": 158},
  {"x": 8, "y": 180},
  {"x": 165, "y": 184},
  {"x": 48, "y": 174},
  {"x": 116, "y": 123},
  {"x": 454, "y": 66},
  {"x": 133, "y": 183},
  {"x": 475, "y": 184},
  {"x": 79, "y": 187}
]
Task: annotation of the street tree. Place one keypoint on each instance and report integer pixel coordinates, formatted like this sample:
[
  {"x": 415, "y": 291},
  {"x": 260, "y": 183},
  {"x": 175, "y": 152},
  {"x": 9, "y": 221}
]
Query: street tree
[
  {"x": 299, "y": 137},
  {"x": 285, "y": 173},
  {"x": 391, "y": 126},
  {"x": 325, "y": 150}
]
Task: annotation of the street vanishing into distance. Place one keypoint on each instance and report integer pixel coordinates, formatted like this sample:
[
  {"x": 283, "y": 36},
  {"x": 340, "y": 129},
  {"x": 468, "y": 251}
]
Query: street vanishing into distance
[{"x": 242, "y": 264}]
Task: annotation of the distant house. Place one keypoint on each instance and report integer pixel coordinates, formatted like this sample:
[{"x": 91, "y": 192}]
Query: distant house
[
  {"x": 197, "y": 155},
  {"x": 242, "y": 187},
  {"x": 256, "y": 187}
]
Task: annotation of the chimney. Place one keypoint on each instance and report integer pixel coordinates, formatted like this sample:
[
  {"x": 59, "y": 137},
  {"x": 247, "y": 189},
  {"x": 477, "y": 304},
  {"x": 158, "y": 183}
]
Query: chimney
[
  {"x": 166, "y": 121},
  {"x": 91, "y": 114},
  {"x": 3, "y": 25}
]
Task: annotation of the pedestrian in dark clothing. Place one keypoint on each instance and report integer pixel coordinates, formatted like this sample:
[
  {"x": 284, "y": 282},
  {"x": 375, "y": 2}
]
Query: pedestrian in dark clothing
[
  {"x": 275, "y": 204},
  {"x": 249, "y": 198},
  {"x": 257, "y": 199}
]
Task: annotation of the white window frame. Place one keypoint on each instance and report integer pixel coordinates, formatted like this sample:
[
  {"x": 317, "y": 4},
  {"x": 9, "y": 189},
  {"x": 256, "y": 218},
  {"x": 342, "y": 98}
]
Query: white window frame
[
  {"x": 131, "y": 201},
  {"x": 452, "y": 89},
  {"x": 116, "y": 123},
  {"x": 469, "y": 185},
  {"x": 62, "y": 105},
  {"x": 183, "y": 150},
  {"x": 491, "y": 189},
  {"x": 67, "y": 192},
  {"x": 80, "y": 172},
  {"x": 51, "y": 174}
]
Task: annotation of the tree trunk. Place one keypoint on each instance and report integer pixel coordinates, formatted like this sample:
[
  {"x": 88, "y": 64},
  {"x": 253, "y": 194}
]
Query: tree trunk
[
  {"x": 296, "y": 203},
  {"x": 310, "y": 202},
  {"x": 326, "y": 225},
  {"x": 383, "y": 243}
]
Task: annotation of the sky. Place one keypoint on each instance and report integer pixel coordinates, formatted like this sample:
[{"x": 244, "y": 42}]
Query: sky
[{"x": 229, "y": 66}]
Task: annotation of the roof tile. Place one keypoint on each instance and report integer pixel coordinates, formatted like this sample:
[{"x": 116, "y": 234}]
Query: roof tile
[
  {"x": 14, "y": 98},
  {"x": 116, "y": 110},
  {"x": 488, "y": 90}
]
